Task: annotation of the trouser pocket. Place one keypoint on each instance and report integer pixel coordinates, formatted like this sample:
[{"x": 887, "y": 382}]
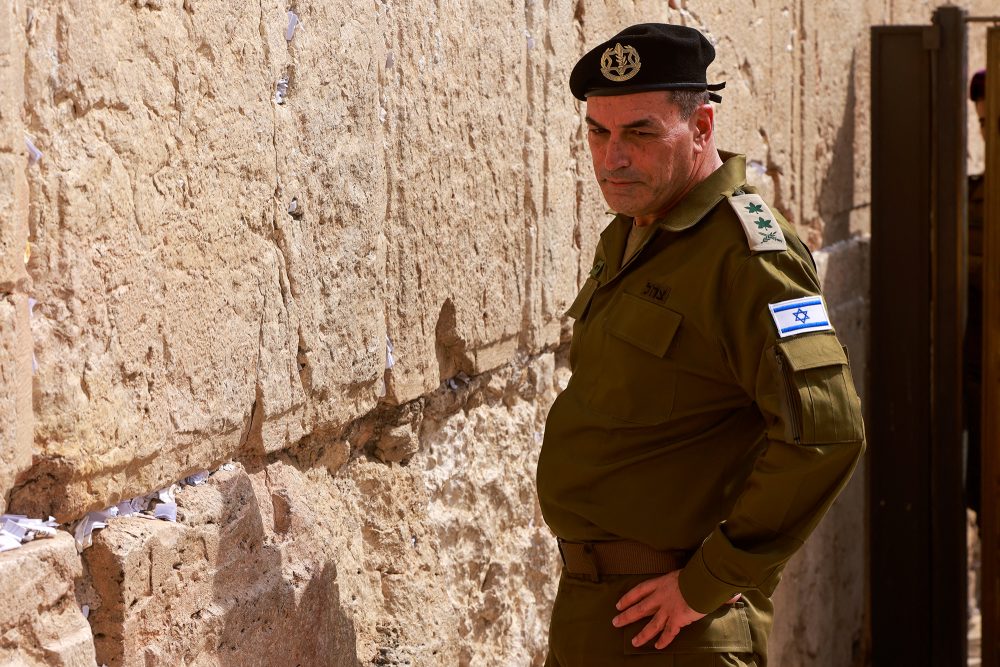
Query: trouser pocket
[{"x": 726, "y": 630}]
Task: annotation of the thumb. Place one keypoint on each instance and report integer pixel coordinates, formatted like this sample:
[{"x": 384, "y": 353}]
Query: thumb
[{"x": 736, "y": 598}]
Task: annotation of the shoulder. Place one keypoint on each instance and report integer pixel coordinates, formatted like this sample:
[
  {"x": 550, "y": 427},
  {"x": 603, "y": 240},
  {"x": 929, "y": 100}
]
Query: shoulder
[{"x": 754, "y": 239}]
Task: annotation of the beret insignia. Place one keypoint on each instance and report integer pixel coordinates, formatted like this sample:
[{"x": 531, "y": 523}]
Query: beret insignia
[{"x": 620, "y": 63}]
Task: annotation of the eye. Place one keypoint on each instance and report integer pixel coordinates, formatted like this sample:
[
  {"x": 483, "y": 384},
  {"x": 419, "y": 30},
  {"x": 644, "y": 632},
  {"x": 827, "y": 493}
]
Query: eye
[{"x": 597, "y": 130}]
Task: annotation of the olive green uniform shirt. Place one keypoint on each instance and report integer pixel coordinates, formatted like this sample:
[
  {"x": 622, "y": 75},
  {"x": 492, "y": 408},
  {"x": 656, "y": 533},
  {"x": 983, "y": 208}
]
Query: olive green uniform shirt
[{"x": 688, "y": 422}]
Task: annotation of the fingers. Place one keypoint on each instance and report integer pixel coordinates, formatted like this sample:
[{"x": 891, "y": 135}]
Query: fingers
[
  {"x": 637, "y": 593},
  {"x": 667, "y": 636},
  {"x": 736, "y": 598},
  {"x": 655, "y": 625},
  {"x": 641, "y": 609}
]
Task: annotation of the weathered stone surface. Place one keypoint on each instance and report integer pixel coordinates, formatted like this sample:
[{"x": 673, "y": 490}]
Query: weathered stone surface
[
  {"x": 13, "y": 154},
  {"x": 442, "y": 195},
  {"x": 16, "y": 417},
  {"x": 218, "y": 273},
  {"x": 376, "y": 564},
  {"x": 213, "y": 589},
  {"x": 188, "y": 311},
  {"x": 151, "y": 216},
  {"x": 820, "y": 593},
  {"x": 842, "y": 268},
  {"x": 42, "y": 623},
  {"x": 15, "y": 390}
]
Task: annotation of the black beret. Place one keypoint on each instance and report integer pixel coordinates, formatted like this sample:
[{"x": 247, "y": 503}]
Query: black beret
[{"x": 647, "y": 56}]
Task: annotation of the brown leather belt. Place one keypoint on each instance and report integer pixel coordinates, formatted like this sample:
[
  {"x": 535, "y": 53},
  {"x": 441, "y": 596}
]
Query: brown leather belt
[{"x": 593, "y": 559}]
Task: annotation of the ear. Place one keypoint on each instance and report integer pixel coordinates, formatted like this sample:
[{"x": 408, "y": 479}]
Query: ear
[{"x": 703, "y": 127}]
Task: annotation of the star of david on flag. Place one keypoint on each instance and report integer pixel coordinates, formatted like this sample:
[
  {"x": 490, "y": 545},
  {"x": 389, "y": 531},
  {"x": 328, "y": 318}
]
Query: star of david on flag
[{"x": 797, "y": 316}]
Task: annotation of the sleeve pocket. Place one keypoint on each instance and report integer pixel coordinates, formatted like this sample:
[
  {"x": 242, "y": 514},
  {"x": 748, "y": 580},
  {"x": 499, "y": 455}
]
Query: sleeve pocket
[
  {"x": 579, "y": 307},
  {"x": 819, "y": 403},
  {"x": 646, "y": 325}
]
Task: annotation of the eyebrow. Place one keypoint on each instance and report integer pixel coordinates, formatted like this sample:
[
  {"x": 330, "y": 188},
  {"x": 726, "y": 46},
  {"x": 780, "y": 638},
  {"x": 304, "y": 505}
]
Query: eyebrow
[{"x": 642, "y": 122}]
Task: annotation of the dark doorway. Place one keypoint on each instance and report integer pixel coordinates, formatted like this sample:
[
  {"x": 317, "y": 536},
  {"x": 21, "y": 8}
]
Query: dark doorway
[
  {"x": 916, "y": 473},
  {"x": 916, "y": 482}
]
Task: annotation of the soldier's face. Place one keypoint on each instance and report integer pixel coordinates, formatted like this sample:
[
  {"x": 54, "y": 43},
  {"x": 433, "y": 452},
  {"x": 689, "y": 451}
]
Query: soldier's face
[{"x": 644, "y": 153}]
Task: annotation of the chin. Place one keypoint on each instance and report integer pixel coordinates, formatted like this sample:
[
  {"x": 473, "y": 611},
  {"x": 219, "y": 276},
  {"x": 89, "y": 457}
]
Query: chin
[{"x": 620, "y": 206}]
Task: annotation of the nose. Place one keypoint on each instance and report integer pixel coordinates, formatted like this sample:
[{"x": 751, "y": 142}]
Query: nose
[{"x": 616, "y": 154}]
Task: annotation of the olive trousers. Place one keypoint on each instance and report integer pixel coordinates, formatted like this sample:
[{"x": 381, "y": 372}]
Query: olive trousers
[{"x": 581, "y": 634}]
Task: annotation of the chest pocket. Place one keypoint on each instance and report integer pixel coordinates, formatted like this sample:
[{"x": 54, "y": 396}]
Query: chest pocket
[
  {"x": 638, "y": 380},
  {"x": 646, "y": 325}
]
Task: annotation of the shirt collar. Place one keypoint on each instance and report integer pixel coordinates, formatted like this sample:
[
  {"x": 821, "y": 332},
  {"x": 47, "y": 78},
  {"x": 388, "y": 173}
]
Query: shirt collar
[{"x": 696, "y": 204}]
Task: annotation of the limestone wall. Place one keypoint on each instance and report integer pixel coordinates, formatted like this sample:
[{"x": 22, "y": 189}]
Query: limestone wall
[{"x": 340, "y": 258}]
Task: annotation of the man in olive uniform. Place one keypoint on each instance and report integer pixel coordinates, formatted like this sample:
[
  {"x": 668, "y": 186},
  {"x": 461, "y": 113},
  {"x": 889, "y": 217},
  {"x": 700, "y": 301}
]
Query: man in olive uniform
[{"x": 711, "y": 417}]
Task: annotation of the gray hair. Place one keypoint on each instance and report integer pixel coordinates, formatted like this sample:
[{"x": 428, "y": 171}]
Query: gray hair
[{"x": 688, "y": 101}]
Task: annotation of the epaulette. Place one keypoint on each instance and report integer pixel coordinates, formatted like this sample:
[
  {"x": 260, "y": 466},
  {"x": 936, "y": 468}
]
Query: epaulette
[{"x": 759, "y": 224}]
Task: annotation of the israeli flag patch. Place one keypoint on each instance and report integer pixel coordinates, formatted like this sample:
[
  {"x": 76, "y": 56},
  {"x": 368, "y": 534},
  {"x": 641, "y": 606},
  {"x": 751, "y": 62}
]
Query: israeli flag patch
[
  {"x": 798, "y": 316},
  {"x": 759, "y": 224}
]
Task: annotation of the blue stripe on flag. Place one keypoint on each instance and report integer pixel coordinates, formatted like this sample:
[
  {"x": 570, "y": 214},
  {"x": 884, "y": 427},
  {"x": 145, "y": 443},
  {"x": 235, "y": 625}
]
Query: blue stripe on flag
[
  {"x": 798, "y": 327},
  {"x": 798, "y": 304}
]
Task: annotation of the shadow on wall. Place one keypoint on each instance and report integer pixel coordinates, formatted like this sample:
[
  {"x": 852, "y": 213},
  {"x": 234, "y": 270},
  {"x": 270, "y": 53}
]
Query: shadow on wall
[
  {"x": 268, "y": 619},
  {"x": 452, "y": 355},
  {"x": 215, "y": 589},
  {"x": 838, "y": 183}
]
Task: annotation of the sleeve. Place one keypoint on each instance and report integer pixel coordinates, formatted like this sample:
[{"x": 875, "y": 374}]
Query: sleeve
[{"x": 814, "y": 433}]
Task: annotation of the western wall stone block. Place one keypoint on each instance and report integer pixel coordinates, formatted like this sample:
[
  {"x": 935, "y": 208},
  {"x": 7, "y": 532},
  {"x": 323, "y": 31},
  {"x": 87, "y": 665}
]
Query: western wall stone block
[
  {"x": 15, "y": 333},
  {"x": 467, "y": 200},
  {"x": 13, "y": 154},
  {"x": 42, "y": 623},
  {"x": 213, "y": 588},
  {"x": 289, "y": 564},
  {"x": 217, "y": 271},
  {"x": 161, "y": 312},
  {"x": 331, "y": 148}
]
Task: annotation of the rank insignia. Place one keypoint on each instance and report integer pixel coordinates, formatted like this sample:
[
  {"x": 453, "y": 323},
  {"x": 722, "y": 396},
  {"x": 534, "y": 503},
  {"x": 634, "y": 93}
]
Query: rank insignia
[{"x": 759, "y": 224}]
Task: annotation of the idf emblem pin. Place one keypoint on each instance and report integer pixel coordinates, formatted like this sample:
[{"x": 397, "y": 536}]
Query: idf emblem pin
[{"x": 620, "y": 63}]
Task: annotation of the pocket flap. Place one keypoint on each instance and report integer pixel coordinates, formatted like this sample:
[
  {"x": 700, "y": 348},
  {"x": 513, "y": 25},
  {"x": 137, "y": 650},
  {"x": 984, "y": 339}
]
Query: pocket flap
[
  {"x": 644, "y": 324},
  {"x": 816, "y": 351},
  {"x": 726, "y": 630},
  {"x": 579, "y": 306}
]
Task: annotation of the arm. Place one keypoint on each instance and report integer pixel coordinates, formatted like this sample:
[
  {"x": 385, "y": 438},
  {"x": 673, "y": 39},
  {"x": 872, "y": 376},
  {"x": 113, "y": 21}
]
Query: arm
[
  {"x": 814, "y": 438},
  {"x": 803, "y": 387}
]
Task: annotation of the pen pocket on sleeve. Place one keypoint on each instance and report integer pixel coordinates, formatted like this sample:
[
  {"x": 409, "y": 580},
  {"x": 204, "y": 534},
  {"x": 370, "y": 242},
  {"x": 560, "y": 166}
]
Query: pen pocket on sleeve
[{"x": 819, "y": 402}]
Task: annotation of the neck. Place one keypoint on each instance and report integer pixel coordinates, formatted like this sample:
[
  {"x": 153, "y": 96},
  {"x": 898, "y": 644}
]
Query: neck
[{"x": 703, "y": 169}]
